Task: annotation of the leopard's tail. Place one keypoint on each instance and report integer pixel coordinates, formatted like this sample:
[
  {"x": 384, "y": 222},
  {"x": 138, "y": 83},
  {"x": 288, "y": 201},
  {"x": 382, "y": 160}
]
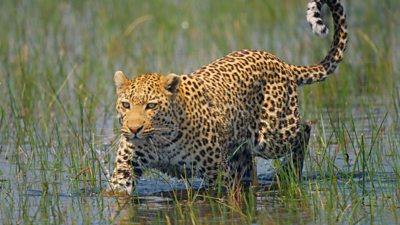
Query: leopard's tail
[{"x": 319, "y": 72}]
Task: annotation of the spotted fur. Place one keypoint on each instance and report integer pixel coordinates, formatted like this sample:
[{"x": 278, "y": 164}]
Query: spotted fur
[{"x": 212, "y": 121}]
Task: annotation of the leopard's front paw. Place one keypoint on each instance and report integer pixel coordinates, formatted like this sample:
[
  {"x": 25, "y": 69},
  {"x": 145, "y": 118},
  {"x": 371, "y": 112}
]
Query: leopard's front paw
[{"x": 119, "y": 188}]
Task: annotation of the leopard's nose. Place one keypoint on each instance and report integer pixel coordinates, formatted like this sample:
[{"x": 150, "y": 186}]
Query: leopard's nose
[{"x": 136, "y": 129}]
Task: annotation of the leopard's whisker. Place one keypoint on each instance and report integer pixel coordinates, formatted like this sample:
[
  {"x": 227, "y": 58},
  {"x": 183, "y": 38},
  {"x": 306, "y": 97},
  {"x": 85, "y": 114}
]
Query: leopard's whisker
[{"x": 165, "y": 139}]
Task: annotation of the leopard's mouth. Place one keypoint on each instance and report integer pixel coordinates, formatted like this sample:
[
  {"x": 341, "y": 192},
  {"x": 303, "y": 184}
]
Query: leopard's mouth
[
  {"x": 151, "y": 134},
  {"x": 133, "y": 137},
  {"x": 143, "y": 135}
]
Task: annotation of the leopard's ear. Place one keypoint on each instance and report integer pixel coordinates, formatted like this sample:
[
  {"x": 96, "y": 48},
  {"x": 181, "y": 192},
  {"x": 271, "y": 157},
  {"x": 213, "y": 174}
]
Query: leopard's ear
[
  {"x": 171, "y": 83},
  {"x": 120, "y": 80}
]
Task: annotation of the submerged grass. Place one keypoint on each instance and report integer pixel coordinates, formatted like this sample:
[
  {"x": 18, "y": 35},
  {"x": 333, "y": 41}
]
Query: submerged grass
[{"x": 57, "y": 109}]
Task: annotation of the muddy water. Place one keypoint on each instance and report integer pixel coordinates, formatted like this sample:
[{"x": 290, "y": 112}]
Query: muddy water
[{"x": 25, "y": 198}]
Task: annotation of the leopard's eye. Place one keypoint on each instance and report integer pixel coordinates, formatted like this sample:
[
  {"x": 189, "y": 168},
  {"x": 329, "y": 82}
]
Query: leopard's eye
[
  {"x": 151, "y": 105},
  {"x": 126, "y": 105}
]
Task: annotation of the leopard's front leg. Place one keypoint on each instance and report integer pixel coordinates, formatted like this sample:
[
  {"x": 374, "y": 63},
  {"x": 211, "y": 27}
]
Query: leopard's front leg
[{"x": 126, "y": 168}]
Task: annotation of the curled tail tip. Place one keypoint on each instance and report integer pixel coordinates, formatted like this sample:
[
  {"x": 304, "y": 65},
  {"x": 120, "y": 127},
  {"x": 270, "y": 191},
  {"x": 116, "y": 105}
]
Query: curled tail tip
[
  {"x": 322, "y": 70},
  {"x": 315, "y": 20}
]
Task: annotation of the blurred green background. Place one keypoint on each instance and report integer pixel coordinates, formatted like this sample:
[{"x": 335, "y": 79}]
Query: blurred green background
[{"x": 75, "y": 46}]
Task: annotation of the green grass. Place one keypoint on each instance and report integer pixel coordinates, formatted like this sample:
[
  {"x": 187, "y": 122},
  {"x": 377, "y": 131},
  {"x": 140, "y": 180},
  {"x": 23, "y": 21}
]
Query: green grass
[{"x": 57, "y": 108}]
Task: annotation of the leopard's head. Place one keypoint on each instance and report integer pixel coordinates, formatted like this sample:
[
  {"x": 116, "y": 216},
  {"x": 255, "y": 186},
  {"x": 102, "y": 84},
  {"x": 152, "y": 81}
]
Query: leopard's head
[{"x": 145, "y": 106}]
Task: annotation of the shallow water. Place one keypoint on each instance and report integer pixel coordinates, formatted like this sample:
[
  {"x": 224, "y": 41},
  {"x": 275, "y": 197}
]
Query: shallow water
[{"x": 69, "y": 200}]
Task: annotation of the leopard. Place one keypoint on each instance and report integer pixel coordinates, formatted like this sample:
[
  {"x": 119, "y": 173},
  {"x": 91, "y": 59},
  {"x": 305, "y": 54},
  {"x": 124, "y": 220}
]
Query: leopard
[{"x": 212, "y": 122}]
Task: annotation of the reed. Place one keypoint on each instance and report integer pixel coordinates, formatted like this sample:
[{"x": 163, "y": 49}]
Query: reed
[{"x": 58, "y": 125}]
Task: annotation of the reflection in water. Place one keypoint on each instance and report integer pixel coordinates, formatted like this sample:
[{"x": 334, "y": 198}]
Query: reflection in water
[{"x": 266, "y": 210}]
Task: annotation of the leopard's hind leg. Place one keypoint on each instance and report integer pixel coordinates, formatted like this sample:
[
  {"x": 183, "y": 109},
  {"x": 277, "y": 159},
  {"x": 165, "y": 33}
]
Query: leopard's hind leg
[
  {"x": 240, "y": 161},
  {"x": 293, "y": 163}
]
